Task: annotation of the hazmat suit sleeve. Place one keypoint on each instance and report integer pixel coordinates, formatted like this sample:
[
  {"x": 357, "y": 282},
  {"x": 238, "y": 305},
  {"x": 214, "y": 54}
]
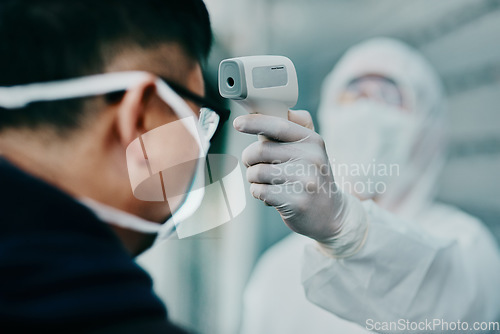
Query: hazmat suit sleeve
[{"x": 447, "y": 269}]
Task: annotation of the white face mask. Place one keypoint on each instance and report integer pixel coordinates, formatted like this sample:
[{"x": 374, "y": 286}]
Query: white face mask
[
  {"x": 188, "y": 197},
  {"x": 369, "y": 145}
]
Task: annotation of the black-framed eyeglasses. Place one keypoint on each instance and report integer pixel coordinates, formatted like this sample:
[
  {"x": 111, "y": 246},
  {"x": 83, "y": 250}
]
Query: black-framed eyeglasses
[{"x": 212, "y": 116}]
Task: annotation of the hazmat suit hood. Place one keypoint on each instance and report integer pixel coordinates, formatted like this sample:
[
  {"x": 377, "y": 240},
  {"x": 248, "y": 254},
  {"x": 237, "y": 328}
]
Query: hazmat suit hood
[{"x": 423, "y": 94}]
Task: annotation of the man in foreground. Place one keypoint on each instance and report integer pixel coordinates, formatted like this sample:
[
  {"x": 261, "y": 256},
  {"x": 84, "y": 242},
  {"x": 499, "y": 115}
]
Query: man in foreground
[{"x": 70, "y": 222}]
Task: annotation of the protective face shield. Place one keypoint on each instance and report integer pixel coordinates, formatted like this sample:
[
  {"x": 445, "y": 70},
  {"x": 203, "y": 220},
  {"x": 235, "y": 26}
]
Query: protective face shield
[
  {"x": 375, "y": 88},
  {"x": 146, "y": 172}
]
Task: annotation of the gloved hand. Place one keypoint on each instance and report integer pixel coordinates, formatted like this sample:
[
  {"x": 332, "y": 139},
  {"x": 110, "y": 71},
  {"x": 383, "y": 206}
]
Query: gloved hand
[{"x": 293, "y": 174}]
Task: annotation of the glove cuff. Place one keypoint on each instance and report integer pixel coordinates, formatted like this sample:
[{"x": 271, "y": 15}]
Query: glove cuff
[{"x": 353, "y": 232}]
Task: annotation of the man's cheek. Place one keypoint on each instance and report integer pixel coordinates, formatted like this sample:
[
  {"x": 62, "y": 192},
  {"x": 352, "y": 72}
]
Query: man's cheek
[
  {"x": 171, "y": 144},
  {"x": 162, "y": 162},
  {"x": 177, "y": 180}
]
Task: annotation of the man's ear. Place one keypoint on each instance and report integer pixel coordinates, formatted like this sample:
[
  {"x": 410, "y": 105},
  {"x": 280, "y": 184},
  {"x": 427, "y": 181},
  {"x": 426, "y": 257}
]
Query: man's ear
[{"x": 131, "y": 111}]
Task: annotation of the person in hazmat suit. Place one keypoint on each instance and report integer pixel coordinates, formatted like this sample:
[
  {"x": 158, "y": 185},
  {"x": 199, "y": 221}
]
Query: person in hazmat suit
[{"x": 400, "y": 257}]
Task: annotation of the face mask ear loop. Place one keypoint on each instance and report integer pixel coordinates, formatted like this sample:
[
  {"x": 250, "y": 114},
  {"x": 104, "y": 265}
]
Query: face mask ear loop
[{"x": 20, "y": 96}]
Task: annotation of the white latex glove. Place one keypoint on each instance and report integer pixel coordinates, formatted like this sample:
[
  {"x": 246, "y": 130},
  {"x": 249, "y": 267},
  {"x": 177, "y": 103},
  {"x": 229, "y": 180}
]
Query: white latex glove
[{"x": 293, "y": 174}]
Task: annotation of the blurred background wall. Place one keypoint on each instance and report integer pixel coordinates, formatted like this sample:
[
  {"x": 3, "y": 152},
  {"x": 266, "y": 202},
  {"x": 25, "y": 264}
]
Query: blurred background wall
[{"x": 202, "y": 278}]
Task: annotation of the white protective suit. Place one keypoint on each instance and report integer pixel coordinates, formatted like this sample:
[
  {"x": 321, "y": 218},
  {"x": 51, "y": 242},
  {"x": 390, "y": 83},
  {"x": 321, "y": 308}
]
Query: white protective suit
[{"x": 421, "y": 260}]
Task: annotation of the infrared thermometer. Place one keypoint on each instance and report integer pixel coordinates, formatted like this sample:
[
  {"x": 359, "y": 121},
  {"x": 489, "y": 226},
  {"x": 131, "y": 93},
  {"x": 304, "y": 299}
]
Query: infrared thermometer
[{"x": 261, "y": 84}]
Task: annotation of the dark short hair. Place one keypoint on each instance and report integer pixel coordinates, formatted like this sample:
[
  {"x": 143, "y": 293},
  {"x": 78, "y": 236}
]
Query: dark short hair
[{"x": 45, "y": 40}]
